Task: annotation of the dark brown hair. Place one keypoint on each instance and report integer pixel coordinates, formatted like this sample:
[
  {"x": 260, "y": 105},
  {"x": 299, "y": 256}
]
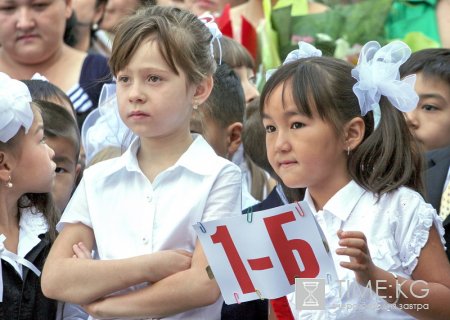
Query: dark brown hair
[
  {"x": 432, "y": 63},
  {"x": 253, "y": 137},
  {"x": 388, "y": 157},
  {"x": 44, "y": 90},
  {"x": 226, "y": 102},
  {"x": 38, "y": 202},
  {"x": 58, "y": 122},
  {"x": 183, "y": 40}
]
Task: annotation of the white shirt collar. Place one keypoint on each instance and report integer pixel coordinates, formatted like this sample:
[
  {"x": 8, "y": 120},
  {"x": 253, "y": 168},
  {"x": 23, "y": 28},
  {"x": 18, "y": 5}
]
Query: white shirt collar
[
  {"x": 192, "y": 159},
  {"x": 31, "y": 224},
  {"x": 342, "y": 203}
]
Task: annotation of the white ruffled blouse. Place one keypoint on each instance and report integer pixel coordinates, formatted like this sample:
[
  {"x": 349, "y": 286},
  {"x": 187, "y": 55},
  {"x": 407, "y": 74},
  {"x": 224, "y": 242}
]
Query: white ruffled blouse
[{"x": 396, "y": 228}]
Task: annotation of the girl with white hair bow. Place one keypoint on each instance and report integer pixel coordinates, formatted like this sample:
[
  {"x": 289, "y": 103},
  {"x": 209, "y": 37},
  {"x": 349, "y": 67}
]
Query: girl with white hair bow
[
  {"x": 27, "y": 214},
  {"x": 340, "y": 132}
]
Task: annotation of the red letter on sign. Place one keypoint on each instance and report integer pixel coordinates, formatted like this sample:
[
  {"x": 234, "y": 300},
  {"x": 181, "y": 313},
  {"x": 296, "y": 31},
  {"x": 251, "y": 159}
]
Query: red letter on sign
[
  {"x": 223, "y": 236},
  {"x": 285, "y": 248}
]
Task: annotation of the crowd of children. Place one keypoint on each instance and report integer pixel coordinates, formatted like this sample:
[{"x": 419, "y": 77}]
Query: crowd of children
[{"x": 366, "y": 146}]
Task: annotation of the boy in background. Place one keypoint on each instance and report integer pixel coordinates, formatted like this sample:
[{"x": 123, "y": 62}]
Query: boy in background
[
  {"x": 62, "y": 135},
  {"x": 430, "y": 123},
  {"x": 47, "y": 91},
  {"x": 220, "y": 119}
]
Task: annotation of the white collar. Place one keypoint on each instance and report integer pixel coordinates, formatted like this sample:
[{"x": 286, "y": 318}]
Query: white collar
[
  {"x": 342, "y": 203},
  {"x": 197, "y": 158},
  {"x": 31, "y": 224}
]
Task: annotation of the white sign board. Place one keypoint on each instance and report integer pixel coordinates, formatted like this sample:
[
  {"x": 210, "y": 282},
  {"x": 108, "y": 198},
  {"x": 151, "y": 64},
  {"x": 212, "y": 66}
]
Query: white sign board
[{"x": 259, "y": 256}]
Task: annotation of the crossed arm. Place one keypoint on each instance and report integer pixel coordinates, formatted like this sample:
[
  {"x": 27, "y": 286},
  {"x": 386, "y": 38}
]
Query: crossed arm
[
  {"x": 179, "y": 292},
  {"x": 179, "y": 283}
]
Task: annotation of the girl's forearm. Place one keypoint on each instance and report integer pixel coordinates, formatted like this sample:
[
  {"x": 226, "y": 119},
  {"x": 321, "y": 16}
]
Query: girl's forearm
[
  {"x": 180, "y": 292},
  {"x": 82, "y": 281}
]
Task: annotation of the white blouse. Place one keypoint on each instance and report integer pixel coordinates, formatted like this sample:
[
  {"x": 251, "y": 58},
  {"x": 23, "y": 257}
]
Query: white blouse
[
  {"x": 396, "y": 228},
  {"x": 31, "y": 225},
  {"x": 131, "y": 216}
]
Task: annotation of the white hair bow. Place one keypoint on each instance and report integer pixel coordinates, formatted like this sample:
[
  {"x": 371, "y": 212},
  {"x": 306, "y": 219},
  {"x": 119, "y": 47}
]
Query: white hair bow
[
  {"x": 103, "y": 127},
  {"x": 208, "y": 20},
  {"x": 305, "y": 50},
  {"x": 378, "y": 74},
  {"x": 15, "y": 108}
]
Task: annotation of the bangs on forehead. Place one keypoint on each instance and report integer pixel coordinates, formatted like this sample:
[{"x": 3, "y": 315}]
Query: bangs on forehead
[
  {"x": 310, "y": 89},
  {"x": 300, "y": 95},
  {"x": 295, "y": 79},
  {"x": 164, "y": 49},
  {"x": 316, "y": 87}
]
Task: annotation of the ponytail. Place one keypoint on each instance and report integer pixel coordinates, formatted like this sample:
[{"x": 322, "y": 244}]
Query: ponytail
[{"x": 388, "y": 157}]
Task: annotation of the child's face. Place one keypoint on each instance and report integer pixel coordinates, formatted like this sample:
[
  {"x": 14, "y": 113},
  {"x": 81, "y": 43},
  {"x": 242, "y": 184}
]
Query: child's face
[
  {"x": 430, "y": 121},
  {"x": 35, "y": 170},
  {"x": 66, "y": 170},
  {"x": 154, "y": 102},
  {"x": 247, "y": 77},
  {"x": 304, "y": 152}
]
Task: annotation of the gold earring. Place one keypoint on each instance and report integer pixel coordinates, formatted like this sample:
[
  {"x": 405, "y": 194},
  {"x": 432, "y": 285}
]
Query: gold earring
[
  {"x": 195, "y": 106},
  {"x": 9, "y": 183},
  {"x": 348, "y": 150}
]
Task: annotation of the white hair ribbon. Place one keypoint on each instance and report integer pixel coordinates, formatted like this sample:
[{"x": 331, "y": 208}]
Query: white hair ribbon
[
  {"x": 305, "y": 50},
  {"x": 208, "y": 20},
  {"x": 103, "y": 127},
  {"x": 15, "y": 108},
  {"x": 377, "y": 74}
]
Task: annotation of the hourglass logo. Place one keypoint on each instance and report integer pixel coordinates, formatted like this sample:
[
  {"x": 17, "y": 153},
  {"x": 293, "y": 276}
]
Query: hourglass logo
[{"x": 310, "y": 294}]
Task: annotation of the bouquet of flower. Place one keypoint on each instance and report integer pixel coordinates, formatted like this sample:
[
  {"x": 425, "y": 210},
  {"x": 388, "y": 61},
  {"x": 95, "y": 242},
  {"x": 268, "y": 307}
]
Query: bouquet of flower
[{"x": 340, "y": 27}]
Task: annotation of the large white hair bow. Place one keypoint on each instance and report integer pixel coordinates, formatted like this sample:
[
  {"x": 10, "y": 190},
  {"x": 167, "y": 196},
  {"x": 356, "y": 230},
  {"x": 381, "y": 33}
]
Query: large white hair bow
[
  {"x": 305, "y": 50},
  {"x": 15, "y": 108},
  {"x": 103, "y": 127},
  {"x": 209, "y": 21},
  {"x": 378, "y": 74}
]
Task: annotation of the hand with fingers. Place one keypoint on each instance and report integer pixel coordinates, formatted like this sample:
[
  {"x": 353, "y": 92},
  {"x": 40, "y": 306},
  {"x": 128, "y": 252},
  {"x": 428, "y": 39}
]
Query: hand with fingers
[
  {"x": 80, "y": 251},
  {"x": 354, "y": 245}
]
